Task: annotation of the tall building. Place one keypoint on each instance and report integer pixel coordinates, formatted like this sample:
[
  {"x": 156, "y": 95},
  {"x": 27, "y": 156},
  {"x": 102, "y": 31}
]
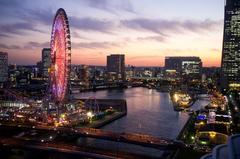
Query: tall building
[
  {"x": 12, "y": 75},
  {"x": 116, "y": 67},
  {"x": 46, "y": 61},
  {"x": 186, "y": 66},
  {"x": 3, "y": 68},
  {"x": 39, "y": 68},
  {"x": 231, "y": 44},
  {"x": 82, "y": 73}
]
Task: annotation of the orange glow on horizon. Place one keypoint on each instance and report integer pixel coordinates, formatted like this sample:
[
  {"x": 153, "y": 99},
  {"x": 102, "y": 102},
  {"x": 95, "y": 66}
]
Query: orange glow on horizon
[{"x": 92, "y": 57}]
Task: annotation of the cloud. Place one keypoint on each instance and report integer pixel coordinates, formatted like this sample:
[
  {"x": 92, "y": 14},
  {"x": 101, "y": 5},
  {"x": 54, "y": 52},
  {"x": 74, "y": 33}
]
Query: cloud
[
  {"x": 215, "y": 50},
  {"x": 32, "y": 18},
  {"x": 188, "y": 51},
  {"x": 145, "y": 57},
  {"x": 75, "y": 34},
  {"x": 161, "y": 26},
  {"x": 28, "y": 45},
  {"x": 46, "y": 16},
  {"x": 4, "y": 46},
  {"x": 95, "y": 45},
  {"x": 43, "y": 16},
  {"x": 91, "y": 24},
  {"x": 4, "y": 35},
  {"x": 32, "y": 45},
  {"x": 153, "y": 38},
  {"x": 9, "y": 5},
  {"x": 18, "y": 28},
  {"x": 112, "y": 6},
  {"x": 88, "y": 45}
]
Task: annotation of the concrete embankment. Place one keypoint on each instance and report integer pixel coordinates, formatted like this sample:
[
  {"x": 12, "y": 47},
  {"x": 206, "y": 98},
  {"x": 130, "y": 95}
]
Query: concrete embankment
[
  {"x": 118, "y": 105},
  {"x": 108, "y": 119}
]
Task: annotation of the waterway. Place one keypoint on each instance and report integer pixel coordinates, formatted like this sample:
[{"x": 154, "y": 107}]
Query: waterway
[{"x": 149, "y": 112}]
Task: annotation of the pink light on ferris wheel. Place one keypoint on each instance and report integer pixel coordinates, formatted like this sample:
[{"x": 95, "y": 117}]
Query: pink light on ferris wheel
[{"x": 60, "y": 57}]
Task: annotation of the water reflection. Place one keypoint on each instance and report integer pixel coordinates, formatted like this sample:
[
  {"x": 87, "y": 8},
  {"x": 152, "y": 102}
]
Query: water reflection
[
  {"x": 149, "y": 112},
  {"x": 115, "y": 148}
]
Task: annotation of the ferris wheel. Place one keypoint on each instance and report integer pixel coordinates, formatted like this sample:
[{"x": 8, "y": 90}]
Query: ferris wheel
[{"x": 59, "y": 70}]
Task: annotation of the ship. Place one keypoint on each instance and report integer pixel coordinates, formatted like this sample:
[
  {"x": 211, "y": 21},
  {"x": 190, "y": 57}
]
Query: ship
[{"x": 181, "y": 100}]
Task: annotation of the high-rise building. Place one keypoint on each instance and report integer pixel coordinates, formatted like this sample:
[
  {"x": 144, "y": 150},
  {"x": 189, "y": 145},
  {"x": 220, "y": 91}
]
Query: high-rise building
[
  {"x": 186, "y": 66},
  {"x": 3, "y": 67},
  {"x": 39, "y": 69},
  {"x": 83, "y": 73},
  {"x": 116, "y": 67},
  {"x": 12, "y": 75},
  {"x": 46, "y": 61},
  {"x": 230, "y": 66}
]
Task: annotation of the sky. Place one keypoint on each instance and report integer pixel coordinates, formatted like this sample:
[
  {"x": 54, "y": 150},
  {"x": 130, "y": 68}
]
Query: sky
[{"x": 144, "y": 30}]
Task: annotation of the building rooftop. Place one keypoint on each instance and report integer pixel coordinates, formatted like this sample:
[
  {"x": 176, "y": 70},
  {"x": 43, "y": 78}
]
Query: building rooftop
[{"x": 183, "y": 57}]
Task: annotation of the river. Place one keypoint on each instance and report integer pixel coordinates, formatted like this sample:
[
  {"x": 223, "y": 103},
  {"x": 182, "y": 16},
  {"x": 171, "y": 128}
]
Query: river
[{"x": 149, "y": 112}]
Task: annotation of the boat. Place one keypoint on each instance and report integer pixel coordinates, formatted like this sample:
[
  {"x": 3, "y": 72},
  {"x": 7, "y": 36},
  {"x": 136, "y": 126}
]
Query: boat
[{"x": 181, "y": 100}]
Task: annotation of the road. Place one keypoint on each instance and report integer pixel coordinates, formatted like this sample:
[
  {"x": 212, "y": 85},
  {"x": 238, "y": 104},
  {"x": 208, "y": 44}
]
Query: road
[{"x": 133, "y": 138}]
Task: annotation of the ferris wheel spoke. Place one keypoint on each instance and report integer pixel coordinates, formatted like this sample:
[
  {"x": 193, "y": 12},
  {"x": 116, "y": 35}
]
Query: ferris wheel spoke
[{"x": 60, "y": 57}]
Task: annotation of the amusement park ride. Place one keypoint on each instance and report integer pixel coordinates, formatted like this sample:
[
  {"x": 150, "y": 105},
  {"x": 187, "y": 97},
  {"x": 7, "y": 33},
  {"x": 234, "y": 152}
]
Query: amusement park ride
[
  {"x": 59, "y": 71},
  {"x": 56, "y": 107},
  {"x": 60, "y": 61}
]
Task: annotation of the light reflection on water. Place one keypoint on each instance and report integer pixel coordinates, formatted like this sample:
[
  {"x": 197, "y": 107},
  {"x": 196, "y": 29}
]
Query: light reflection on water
[
  {"x": 119, "y": 147},
  {"x": 149, "y": 112}
]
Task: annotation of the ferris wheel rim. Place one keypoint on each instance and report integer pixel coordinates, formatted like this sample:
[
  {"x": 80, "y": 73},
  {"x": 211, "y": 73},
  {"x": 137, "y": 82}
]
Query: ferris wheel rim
[{"x": 64, "y": 38}]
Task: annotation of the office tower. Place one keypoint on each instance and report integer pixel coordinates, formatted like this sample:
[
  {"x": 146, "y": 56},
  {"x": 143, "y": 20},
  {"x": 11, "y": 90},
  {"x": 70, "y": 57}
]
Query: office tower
[
  {"x": 116, "y": 67},
  {"x": 230, "y": 67},
  {"x": 46, "y": 61},
  {"x": 3, "y": 68},
  {"x": 39, "y": 68},
  {"x": 83, "y": 75},
  {"x": 186, "y": 66}
]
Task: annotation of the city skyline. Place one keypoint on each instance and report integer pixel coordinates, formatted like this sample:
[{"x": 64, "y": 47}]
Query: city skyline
[
  {"x": 126, "y": 82},
  {"x": 144, "y": 32}
]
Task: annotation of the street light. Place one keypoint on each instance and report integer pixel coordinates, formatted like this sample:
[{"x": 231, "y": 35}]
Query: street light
[
  {"x": 89, "y": 114},
  {"x": 176, "y": 97},
  {"x": 212, "y": 134}
]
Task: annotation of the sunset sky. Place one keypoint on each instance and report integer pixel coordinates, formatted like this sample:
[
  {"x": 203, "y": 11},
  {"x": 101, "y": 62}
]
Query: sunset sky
[{"x": 144, "y": 30}]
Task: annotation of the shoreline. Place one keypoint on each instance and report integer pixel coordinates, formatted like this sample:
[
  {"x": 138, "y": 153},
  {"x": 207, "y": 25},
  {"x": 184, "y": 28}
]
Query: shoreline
[
  {"x": 118, "y": 105},
  {"x": 185, "y": 128},
  {"x": 105, "y": 122}
]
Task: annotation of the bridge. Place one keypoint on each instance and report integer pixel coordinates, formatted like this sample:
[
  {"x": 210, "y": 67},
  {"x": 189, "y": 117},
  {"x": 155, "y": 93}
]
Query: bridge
[
  {"x": 158, "y": 143},
  {"x": 132, "y": 138}
]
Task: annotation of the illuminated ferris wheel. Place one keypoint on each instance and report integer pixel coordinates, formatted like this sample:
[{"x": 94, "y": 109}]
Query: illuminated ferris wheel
[{"x": 60, "y": 57}]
